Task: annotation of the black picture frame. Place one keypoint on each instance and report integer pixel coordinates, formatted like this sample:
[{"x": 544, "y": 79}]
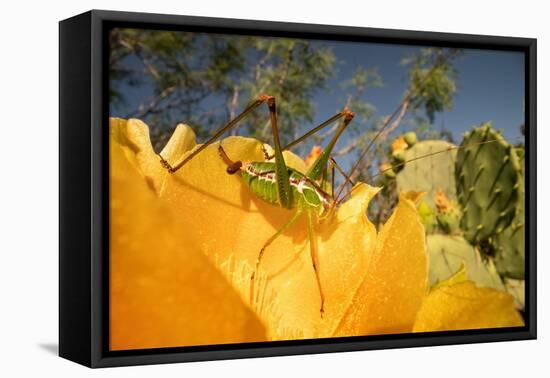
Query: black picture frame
[{"x": 84, "y": 188}]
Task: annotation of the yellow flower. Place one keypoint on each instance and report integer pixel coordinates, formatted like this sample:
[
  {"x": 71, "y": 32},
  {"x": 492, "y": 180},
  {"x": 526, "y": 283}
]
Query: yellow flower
[
  {"x": 398, "y": 145},
  {"x": 183, "y": 247},
  {"x": 457, "y": 304}
]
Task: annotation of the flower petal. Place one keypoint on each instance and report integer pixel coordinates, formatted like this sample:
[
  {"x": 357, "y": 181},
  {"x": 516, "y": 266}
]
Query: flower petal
[
  {"x": 345, "y": 247},
  {"x": 395, "y": 279},
  {"x": 163, "y": 291},
  {"x": 465, "y": 306},
  {"x": 133, "y": 137}
]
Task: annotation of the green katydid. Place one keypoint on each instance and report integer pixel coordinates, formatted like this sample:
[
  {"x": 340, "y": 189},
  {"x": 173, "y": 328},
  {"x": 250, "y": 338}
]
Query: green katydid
[{"x": 280, "y": 185}]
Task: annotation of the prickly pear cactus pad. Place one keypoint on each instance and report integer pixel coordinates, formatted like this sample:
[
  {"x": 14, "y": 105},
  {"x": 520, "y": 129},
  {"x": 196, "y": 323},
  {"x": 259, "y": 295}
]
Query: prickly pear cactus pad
[
  {"x": 447, "y": 255},
  {"x": 510, "y": 243},
  {"x": 487, "y": 183},
  {"x": 510, "y": 251},
  {"x": 431, "y": 173}
]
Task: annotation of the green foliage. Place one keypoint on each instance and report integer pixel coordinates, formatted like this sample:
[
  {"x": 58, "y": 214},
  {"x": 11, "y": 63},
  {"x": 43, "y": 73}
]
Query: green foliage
[
  {"x": 448, "y": 253},
  {"x": 432, "y": 80},
  {"x": 487, "y": 183},
  {"x": 429, "y": 174}
]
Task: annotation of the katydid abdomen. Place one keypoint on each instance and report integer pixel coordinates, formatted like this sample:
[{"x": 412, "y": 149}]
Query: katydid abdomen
[{"x": 260, "y": 178}]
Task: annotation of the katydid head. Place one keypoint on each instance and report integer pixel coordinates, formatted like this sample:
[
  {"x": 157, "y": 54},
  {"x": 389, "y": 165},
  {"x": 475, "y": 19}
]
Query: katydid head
[{"x": 234, "y": 167}]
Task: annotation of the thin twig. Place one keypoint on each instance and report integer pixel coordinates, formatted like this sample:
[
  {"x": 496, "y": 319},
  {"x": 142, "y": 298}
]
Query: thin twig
[
  {"x": 233, "y": 106},
  {"x": 143, "y": 109}
]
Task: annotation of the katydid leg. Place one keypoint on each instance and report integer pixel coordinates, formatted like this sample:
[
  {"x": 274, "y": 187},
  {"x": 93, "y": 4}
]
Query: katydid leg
[
  {"x": 284, "y": 194},
  {"x": 315, "y": 256},
  {"x": 267, "y": 244},
  {"x": 332, "y": 178},
  {"x": 232, "y": 123},
  {"x": 321, "y": 126},
  {"x": 316, "y": 170},
  {"x": 347, "y": 179}
]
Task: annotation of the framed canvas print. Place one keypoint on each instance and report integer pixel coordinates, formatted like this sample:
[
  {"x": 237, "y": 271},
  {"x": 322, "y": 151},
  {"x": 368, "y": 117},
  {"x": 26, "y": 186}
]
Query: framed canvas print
[{"x": 234, "y": 188}]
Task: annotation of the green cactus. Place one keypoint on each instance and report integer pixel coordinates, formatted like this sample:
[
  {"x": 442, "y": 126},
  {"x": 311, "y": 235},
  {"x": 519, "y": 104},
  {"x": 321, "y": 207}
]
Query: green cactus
[
  {"x": 510, "y": 243},
  {"x": 487, "y": 183},
  {"x": 520, "y": 152},
  {"x": 510, "y": 251},
  {"x": 448, "y": 253},
  {"x": 429, "y": 174}
]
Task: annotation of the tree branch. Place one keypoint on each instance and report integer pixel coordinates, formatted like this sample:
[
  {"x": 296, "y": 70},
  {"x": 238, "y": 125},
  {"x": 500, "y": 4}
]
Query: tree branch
[
  {"x": 281, "y": 80},
  {"x": 233, "y": 106},
  {"x": 397, "y": 121},
  {"x": 144, "y": 109}
]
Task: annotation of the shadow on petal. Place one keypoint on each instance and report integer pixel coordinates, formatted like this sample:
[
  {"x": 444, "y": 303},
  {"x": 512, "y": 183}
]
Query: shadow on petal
[{"x": 163, "y": 291}]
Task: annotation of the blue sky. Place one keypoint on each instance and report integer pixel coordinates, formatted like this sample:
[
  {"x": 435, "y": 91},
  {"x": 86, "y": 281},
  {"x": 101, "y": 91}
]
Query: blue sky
[{"x": 490, "y": 87}]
